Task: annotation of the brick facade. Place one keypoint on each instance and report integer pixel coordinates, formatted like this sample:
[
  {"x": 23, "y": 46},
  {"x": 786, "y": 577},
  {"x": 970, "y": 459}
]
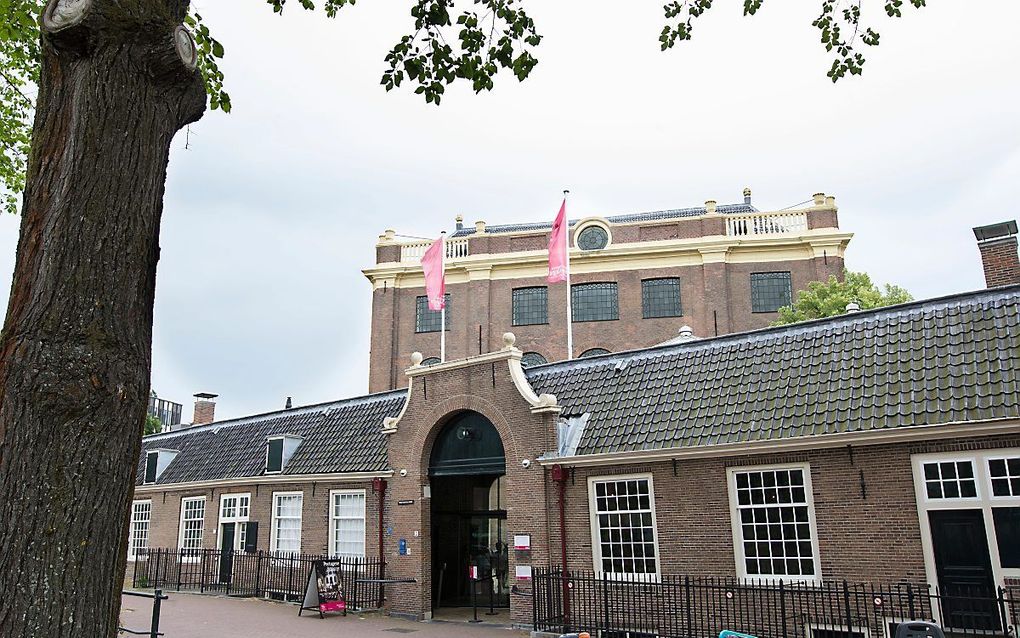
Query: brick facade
[{"x": 715, "y": 290}]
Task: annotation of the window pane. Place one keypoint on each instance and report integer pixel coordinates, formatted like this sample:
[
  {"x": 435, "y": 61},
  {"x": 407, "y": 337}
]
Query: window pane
[
  {"x": 592, "y": 238},
  {"x": 773, "y": 511},
  {"x": 627, "y": 534},
  {"x": 274, "y": 458},
  {"x": 530, "y": 306},
  {"x": 660, "y": 298},
  {"x": 770, "y": 291},
  {"x": 594, "y": 302},
  {"x": 1005, "y": 475},
  {"x": 950, "y": 480},
  {"x": 348, "y": 523},
  {"x": 1007, "y": 535},
  {"x": 141, "y": 512},
  {"x": 192, "y": 523},
  {"x": 529, "y": 359},
  {"x": 428, "y": 320},
  {"x": 150, "y": 467},
  {"x": 287, "y": 523}
]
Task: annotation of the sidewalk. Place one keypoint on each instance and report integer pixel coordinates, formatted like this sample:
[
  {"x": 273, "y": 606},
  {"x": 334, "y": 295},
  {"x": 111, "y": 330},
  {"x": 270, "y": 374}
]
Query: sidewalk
[{"x": 201, "y": 616}]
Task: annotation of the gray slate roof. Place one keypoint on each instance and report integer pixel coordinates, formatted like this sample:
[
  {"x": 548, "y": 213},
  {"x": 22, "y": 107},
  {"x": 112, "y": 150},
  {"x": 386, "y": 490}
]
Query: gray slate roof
[
  {"x": 340, "y": 436},
  {"x": 938, "y": 361},
  {"x": 658, "y": 215}
]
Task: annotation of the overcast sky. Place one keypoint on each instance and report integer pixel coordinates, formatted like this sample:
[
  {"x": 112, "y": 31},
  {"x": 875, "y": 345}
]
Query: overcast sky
[{"x": 272, "y": 211}]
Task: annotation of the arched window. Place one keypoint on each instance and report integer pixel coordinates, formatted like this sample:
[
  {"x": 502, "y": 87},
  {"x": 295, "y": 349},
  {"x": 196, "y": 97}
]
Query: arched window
[
  {"x": 529, "y": 359},
  {"x": 593, "y": 352},
  {"x": 468, "y": 444},
  {"x": 431, "y": 361}
]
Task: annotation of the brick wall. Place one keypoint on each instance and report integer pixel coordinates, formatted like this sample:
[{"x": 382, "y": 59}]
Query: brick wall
[{"x": 1000, "y": 261}]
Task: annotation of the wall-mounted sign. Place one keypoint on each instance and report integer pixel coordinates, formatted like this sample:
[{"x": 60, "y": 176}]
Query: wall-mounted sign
[
  {"x": 404, "y": 550},
  {"x": 409, "y": 501},
  {"x": 523, "y": 572},
  {"x": 522, "y": 541}
]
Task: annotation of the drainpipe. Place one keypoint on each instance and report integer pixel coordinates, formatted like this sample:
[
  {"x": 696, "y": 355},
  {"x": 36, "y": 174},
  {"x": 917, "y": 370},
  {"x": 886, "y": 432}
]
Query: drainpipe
[
  {"x": 559, "y": 475},
  {"x": 379, "y": 487}
]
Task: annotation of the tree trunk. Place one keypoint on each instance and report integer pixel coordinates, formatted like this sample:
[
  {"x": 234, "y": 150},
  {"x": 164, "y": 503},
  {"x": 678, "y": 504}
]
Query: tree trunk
[{"x": 118, "y": 81}]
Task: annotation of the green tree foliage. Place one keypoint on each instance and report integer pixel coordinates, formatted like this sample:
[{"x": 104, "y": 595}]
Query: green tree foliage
[
  {"x": 152, "y": 425},
  {"x": 830, "y": 298},
  {"x": 452, "y": 40}
]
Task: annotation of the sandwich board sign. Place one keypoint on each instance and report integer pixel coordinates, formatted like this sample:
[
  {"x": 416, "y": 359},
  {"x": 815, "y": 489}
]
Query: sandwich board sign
[{"x": 325, "y": 591}]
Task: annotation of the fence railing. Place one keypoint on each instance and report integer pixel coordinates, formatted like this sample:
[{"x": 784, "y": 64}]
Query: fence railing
[
  {"x": 413, "y": 252},
  {"x": 252, "y": 574},
  {"x": 749, "y": 225},
  {"x": 683, "y": 606}
]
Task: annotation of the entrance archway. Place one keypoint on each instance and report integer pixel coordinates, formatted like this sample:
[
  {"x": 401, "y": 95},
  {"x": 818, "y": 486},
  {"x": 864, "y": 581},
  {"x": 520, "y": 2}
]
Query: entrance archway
[{"x": 467, "y": 468}]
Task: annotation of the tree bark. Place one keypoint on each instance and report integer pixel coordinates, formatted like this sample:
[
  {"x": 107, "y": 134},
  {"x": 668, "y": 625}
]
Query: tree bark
[{"x": 76, "y": 344}]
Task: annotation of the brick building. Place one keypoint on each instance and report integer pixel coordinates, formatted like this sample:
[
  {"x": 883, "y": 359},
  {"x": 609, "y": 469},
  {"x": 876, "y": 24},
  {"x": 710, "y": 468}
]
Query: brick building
[
  {"x": 636, "y": 279},
  {"x": 881, "y": 446}
]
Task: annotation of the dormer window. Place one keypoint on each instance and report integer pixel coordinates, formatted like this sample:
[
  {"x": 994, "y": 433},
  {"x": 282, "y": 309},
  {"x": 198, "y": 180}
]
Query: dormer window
[
  {"x": 279, "y": 449},
  {"x": 155, "y": 462}
]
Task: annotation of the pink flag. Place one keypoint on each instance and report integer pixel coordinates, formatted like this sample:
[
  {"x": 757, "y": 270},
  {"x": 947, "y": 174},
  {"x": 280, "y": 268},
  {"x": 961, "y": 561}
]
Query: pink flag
[
  {"x": 435, "y": 281},
  {"x": 558, "y": 246}
]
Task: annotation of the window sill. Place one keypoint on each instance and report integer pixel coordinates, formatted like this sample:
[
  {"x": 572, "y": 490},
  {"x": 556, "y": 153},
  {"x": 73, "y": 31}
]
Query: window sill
[{"x": 593, "y": 320}]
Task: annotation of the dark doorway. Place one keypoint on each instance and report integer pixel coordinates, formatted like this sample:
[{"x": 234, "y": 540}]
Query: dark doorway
[
  {"x": 466, "y": 469},
  {"x": 227, "y": 551},
  {"x": 964, "y": 569}
]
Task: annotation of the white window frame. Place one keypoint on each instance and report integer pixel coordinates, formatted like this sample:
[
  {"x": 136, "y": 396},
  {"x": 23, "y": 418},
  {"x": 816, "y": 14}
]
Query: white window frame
[
  {"x": 132, "y": 554},
  {"x": 738, "y": 534},
  {"x": 239, "y": 529},
  {"x": 180, "y": 529},
  {"x": 984, "y": 502},
  {"x": 274, "y": 518},
  {"x": 333, "y": 520},
  {"x": 596, "y": 545}
]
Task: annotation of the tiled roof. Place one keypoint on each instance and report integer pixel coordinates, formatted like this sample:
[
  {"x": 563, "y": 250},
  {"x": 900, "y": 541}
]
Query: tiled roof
[
  {"x": 947, "y": 360},
  {"x": 340, "y": 436},
  {"x": 658, "y": 215}
]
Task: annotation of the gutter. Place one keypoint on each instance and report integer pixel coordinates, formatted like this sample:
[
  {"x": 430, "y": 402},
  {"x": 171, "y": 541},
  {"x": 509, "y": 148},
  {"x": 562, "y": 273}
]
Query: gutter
[
  {"x": 276, "y": 479},
  {"x": 889, "y": 436}
]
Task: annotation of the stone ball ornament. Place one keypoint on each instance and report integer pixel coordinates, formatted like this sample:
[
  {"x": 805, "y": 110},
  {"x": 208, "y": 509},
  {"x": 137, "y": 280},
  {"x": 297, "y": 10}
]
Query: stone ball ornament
[
  {"x": 416, "y": 359},
  {"x": 509, "y": 339}
]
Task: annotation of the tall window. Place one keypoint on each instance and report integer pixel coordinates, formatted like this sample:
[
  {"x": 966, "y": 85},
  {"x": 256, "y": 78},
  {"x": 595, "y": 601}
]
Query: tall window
[
  {"x": 138, "y": 538},
  {"x": 347, "y": 523},
  {"x": 660, "y": 298},
  {"x": 594, "y": 302},
  {"x": 770, "y": 291},
  {"x": 623, "y": 521},
  {"x": 234, "y": 508},
  {"x": 530, "y": 306},
  {"x": 286, "y": 532},
  {"x": 192, "y": 525},
  {"x": 428, "y": 320},
  {"x": 773, "y": 522}
]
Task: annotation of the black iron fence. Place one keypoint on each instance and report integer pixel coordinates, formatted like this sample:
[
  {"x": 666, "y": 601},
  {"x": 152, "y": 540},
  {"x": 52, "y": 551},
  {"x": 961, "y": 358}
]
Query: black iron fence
[
  {"x": 682, "y": 606},
  {"x": 253, "y": 574}
]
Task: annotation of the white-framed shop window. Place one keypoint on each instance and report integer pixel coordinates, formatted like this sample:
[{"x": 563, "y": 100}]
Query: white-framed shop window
[
  {"x": 347, "y": 523},
  {"x": 773, "y": 521},
  {"x": 623, "y": 528},
  {"x": 192, "y": 527},
  {"x": 138, "y": 536},
  {"x": 989, "y": 486},
  {"x": 285, "y": 535},
  {"x": 235, "y": 508}
]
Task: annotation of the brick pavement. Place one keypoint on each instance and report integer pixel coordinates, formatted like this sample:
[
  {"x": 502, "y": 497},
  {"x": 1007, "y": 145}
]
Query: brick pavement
[{"x": 200, "y": 616}]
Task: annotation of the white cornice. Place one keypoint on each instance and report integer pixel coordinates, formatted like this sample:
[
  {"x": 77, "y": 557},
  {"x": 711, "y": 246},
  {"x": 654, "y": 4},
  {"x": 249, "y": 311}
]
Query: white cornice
[
  {"x": 275, "y": 479},
  {"x": 803, "y": 443}
]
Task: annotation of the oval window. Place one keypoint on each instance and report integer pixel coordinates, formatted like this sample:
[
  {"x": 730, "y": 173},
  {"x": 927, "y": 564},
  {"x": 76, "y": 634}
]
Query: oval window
[{"x": 592, "y": 238}]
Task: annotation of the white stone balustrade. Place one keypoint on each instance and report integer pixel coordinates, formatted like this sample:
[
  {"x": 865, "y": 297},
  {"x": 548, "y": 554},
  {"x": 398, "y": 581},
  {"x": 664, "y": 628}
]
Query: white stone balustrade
[{"x": 757, "y": 224}]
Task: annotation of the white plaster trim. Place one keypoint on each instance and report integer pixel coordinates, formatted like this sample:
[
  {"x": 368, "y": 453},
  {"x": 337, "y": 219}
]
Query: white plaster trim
[
  {"x": 810, "y": 442},
  {"x": 389, "y": 424},
  {"x": 274, "y": 479}
]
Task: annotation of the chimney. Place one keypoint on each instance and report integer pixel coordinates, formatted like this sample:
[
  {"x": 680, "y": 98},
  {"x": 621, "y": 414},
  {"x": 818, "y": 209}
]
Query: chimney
[
  {"x": 205, "y": 408},
  {"x": 289, "y": 404},
  {"x": 998, "y": 246},
  {"x": 747, "y": 195},
  {"x": 853, "y": 307}
]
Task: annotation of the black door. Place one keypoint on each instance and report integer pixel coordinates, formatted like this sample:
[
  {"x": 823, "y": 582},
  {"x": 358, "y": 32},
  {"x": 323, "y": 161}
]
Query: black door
[
  {"x": 964, "y": 569},
  {"x": 227, "y": 551}
]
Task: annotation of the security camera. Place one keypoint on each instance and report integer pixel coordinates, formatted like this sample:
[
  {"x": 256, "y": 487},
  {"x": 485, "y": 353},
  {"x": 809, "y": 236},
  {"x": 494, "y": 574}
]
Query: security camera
[
  {"x": 526, "y": 463},
  {"x": 403, "y": 472}
]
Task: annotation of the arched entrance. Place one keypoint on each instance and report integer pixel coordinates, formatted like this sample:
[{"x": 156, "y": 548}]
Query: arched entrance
[{"x": 467, "y": 470}]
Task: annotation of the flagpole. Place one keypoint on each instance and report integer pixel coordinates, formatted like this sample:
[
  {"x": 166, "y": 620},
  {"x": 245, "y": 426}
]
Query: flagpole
[
  {"x": 442, "y": 316},
  {"x": 566, "y": 260}
]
